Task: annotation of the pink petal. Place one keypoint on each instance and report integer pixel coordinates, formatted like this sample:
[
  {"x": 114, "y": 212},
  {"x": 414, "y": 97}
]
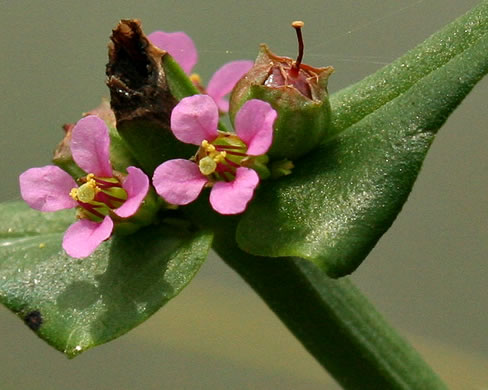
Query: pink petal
[
  {"x": 194, "y": 119},
  {"x": 224, "y": 80},
  {"x": 90, "y": 146},
  {"x": 232, "y": 197},
  {"x": 254, "y": 125},
  {"x": 47, "y": 188},
  {"x": 178, "y": 181},
  {"x": 83, "y": 237},
  {"x": 136, "y": 184},
  {"x": 179, "y": 45}
]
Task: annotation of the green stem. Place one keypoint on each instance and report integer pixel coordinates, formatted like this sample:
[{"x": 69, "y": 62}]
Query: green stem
[{"x": 333, "y": 320}]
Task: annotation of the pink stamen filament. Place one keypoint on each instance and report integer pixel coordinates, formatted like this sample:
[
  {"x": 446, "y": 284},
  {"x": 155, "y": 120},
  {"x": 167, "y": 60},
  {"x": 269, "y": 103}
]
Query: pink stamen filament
[
  {"x": 108, "y": 200},
  {"x": 226, "y": 147},
  {"x": 105, "y": 184},
  {"x": 221, "y": 168},
  {"x": 232, "y": 163},
  {"x": 91, "y": 209},
  {"x": 228, "y": 176},
  {"x": 237, "y": 154}
]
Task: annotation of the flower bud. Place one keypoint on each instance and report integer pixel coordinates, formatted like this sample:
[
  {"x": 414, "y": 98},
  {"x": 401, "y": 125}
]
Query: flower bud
[{"x": 298, "y": 92}]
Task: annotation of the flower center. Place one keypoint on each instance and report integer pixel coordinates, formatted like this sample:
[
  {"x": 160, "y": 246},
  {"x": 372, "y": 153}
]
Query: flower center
[
  {"x": 221, "y": 158},
  {"x": 97, "y": 196},
  {"x": 87, "y": 191}
]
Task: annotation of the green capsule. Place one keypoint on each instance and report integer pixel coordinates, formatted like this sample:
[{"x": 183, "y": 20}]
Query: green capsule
[{"x": 298, "y": 92}]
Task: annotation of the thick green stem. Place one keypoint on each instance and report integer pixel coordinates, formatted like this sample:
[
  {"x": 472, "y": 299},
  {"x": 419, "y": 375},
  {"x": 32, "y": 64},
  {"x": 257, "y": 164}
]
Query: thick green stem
[{"x": 333, "y": 320}]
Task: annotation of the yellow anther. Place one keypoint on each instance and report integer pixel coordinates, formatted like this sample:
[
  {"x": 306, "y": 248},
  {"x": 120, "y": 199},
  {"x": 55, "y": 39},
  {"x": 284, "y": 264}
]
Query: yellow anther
[
  {"x": 207, "y": 146},
  {"x": 195, "y": 78},
  {"x": 74, "y": 193},
  {"x": 220, "y": 157}
]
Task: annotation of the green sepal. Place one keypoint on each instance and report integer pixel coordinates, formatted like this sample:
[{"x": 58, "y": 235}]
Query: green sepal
[{"x": 301, "y": 125}]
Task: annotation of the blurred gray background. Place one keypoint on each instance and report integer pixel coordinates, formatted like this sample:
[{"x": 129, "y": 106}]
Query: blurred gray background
[{"x": 428, "y": 275}]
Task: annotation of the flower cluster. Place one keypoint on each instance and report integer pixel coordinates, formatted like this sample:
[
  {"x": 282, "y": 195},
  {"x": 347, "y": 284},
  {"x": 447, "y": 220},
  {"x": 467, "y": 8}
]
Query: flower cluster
[
  {"x": 224, "y": 161},
  {"x": 105, "y": 199}
]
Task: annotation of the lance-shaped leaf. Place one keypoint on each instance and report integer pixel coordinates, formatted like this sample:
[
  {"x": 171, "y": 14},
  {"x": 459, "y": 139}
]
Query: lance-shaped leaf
[
  {"x": 340, "y": 199},
  {"x": 75, "y": 304}
]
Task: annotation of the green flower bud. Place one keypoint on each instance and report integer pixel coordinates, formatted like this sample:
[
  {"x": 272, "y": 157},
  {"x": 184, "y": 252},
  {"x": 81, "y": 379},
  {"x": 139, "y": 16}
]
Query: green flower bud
[{"x": 298, "y": 92}]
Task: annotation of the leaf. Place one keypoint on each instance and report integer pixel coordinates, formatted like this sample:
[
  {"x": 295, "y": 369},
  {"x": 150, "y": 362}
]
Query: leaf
[
  {"x": 341, "y": 199},
  {"x": 75, "y": 304}
]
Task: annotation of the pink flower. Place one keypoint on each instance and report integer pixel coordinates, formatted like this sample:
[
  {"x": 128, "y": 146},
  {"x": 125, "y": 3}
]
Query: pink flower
[
  {"x": 101, "y": 199},
  {"x": 183, "y": 50},
  {"x": 223, "y": 159}
]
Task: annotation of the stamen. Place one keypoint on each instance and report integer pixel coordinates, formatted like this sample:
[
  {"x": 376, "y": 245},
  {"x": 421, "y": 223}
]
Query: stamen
[
  {"x": 88, "y": 208},
  {"x": 74, "y": 193},
  {"x": 220, "y": 157},
  {"x": 297, "y": 25},
  {"x": 224, "y": 147},
  {"x": 237, "y": 154},
  {"x": 232, "y": 163},
  {"x": 207, "y": 146},
  {"x": 195, "y": 78}
]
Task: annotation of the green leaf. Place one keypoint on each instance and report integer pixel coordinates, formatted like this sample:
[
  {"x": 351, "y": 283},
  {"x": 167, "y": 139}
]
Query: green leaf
[
  {"x": 75, "y": 304},
  {"x": 340, "y": 199}
]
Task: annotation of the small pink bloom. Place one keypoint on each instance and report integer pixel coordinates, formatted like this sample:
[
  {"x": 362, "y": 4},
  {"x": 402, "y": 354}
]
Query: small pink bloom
[
  {"x": 223, "y": 159},
  {"x": 179, "y": 45},
  {"x": 182, "y": 48},
  {"x": 50, "y": 188}
]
